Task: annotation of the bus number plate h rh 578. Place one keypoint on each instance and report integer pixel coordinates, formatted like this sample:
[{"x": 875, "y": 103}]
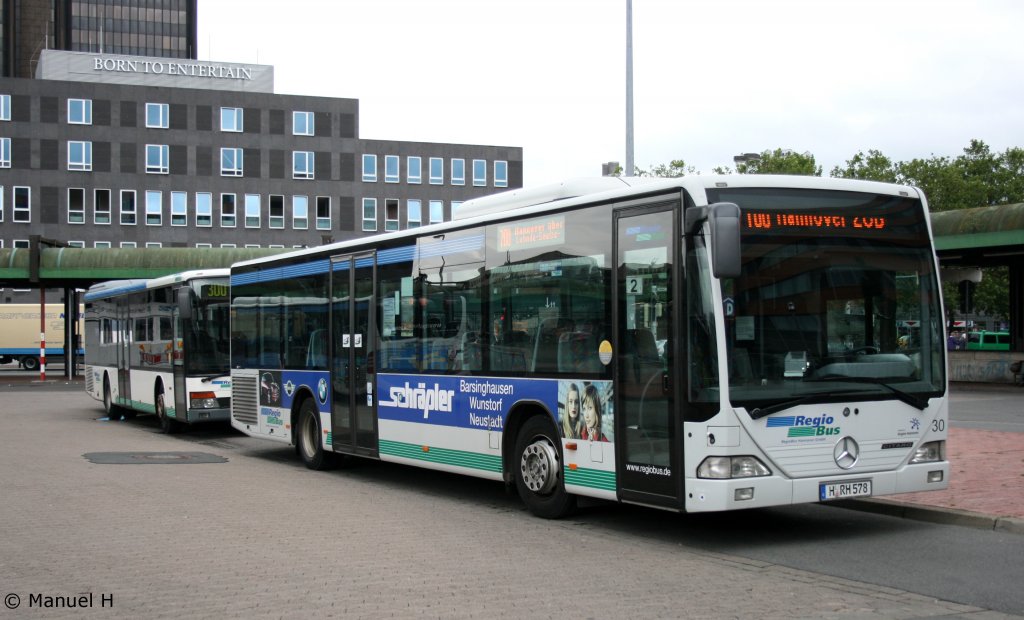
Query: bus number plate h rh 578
[{"x": 843, "y": 490}]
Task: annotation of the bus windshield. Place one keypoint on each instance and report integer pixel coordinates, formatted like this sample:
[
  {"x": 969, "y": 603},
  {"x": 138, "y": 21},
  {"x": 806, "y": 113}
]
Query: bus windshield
[
  {"x": 837, "y": 300},
  {"x": 207, "y": 335}
]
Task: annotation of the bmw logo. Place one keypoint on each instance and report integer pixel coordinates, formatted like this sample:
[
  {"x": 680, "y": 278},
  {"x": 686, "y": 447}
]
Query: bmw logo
[{"x": 321, "y": 391}]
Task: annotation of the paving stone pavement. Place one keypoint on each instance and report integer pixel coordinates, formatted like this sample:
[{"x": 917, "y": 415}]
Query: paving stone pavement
[{"x": 261, "y": 536}]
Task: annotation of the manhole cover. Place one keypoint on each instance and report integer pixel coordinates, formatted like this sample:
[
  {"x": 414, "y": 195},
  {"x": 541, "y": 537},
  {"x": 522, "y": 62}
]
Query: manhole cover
[{"x": 152, "y": 458}]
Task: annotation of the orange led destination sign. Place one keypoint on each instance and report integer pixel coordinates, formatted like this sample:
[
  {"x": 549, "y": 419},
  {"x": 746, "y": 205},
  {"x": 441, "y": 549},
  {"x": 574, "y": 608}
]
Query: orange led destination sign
[
  {"x": 532, "y": 234},
  {"x": 767, "y": 221}
]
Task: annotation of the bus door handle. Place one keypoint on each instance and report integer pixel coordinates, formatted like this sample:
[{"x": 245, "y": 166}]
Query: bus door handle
[{"x": 666, "y": 383}]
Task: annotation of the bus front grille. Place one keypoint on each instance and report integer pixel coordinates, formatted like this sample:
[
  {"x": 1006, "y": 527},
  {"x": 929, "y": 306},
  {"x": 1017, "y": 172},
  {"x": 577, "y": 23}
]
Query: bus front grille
[{"x": 245, "y": 399}]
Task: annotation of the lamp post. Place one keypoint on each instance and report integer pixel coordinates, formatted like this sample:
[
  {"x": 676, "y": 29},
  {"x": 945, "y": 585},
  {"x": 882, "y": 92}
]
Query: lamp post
[{"x": 630, "y": 170}]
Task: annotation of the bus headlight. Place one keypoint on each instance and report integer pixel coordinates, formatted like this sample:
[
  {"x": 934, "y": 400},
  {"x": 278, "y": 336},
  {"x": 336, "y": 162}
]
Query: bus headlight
[
  {"x": 202, "y": 400},
  {"x": 725, "y": 467},
  {"x": 930, "y": 452}
]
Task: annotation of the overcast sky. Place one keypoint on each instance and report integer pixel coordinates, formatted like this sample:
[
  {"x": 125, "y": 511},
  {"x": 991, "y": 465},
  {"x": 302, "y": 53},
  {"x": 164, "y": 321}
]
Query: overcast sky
[{"x": 712, "y": 78}]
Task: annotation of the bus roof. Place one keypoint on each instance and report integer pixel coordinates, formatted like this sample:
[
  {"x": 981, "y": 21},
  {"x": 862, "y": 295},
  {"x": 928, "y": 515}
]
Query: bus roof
[
  {"x": 113, "y": 288},
  {"x": 530, "y": 201}
]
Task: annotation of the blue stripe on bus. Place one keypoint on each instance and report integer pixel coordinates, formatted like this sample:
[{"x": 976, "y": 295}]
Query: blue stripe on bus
[
  {"x": 385, "y": 257},
  {"x": 115, "y": 291}
]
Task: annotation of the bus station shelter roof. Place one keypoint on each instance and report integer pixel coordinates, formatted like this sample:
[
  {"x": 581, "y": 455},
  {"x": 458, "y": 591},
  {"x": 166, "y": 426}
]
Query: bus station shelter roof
[{"x": 980, "y": 237}]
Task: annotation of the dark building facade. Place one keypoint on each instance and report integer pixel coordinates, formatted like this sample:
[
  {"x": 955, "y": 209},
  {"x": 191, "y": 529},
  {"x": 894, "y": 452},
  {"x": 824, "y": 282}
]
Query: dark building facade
[
  {"x": 163, "y": 163},
  {"x": 158, "y": 28}
]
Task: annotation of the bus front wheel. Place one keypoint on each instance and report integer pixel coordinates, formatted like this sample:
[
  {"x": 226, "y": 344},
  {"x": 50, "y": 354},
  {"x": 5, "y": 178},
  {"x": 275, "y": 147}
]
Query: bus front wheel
[
  {"x": 308, "y": 443},
  {"x": 167, "y": 424},
  {"x": 538, "y": 471}
]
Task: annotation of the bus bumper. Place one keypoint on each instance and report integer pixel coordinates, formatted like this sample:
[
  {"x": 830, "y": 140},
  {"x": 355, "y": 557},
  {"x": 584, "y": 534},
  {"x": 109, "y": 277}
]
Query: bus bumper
[
  {"x": 220, "y": 414},
  {"x": 705, "y": 495}
]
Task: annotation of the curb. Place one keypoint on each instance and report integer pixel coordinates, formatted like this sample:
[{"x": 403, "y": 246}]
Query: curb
[{"x": 934, "y": 514}]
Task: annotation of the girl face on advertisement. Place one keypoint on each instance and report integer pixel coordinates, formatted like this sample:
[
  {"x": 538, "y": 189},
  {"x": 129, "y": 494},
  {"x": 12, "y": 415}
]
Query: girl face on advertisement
[
  {"x": 590, "y": 415},
  {"x": 572, "y": 403}
]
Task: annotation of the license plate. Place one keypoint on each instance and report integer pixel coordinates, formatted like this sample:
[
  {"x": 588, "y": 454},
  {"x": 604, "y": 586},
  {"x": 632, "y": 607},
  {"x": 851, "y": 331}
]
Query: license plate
[{"x": 843, "y": 490}]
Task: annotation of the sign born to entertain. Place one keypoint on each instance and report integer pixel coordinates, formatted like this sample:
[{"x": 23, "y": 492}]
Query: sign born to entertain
[{"x": 159, "y": 67}]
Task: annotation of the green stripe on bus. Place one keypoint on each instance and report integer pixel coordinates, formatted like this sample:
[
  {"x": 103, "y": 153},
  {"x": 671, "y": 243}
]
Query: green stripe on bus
[
  {"x": 593, "y": 478},
  {"x": 443, "y": 456},
  {"x": 330, "y": 438}
]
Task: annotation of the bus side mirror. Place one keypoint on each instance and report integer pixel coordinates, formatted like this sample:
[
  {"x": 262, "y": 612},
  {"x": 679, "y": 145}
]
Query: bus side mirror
[
  {"x": 724, "y": 222},
  {"x": 184, "y": 303}
]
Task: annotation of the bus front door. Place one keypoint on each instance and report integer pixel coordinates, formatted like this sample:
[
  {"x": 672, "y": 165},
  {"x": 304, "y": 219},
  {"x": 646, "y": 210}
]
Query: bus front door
[
  {"x": 124, "y": 383},
  {"x": 354, "y": 425},
  {"x": 646, "y": 427}
]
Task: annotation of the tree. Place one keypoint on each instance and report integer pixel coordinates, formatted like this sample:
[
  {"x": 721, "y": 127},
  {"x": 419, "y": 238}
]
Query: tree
[
  {"x": 675, "y": 168},
  {"x": 871, "y": 167},
  {"x": 781, "y": 162}
]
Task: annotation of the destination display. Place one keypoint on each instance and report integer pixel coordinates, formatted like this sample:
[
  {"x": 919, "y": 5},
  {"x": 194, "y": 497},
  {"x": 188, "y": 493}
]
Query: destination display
[{"x": 763, "y": 220}]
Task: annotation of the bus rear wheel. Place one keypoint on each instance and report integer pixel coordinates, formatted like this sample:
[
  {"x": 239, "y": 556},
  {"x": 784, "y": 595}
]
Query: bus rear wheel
[
  {"x": 113, "y": 411},
  {"x": 167, "y": 424},
  {"x": 538, "y": 471},
  {"x": 308, "y": 443},
  {"x": 30, "y": 362}
]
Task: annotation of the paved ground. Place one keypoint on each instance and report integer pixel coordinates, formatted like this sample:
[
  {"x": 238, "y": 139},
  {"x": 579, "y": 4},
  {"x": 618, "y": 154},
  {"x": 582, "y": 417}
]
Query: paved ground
[{"x": 260, "y": 536}]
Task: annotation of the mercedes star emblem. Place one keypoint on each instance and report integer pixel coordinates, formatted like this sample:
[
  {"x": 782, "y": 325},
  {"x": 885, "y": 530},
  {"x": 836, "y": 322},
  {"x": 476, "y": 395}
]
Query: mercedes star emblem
[{"x": 846, "y": 452}]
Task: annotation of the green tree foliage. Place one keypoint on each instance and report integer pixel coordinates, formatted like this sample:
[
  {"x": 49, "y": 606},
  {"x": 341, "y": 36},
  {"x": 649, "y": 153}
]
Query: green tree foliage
[
  {"x": 673, "y": 169},
  {"x": 871, "y": 167},
  {"x": 781, "y": 162}
]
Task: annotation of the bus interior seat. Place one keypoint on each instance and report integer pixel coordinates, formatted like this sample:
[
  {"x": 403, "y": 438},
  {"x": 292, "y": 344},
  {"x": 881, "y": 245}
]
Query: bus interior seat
[
  {"x": 316, "y": 354},
  {"x": 577, "y": 352},
  {"x": 545, "y": 347}
]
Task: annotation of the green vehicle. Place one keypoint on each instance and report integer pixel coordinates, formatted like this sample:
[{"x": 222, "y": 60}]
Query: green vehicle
[{"x": 988, "y": 341}]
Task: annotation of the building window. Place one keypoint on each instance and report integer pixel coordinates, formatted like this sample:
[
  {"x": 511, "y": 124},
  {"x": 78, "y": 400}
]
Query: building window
[
  {"x": 153, "y": 245},
  {"x": 204, "y": 246},
  {"x": 391, "y": 169},
  {"x": 231, "y": 119},
  {"x": 22, "y": 204},
  {"x": 276, "y": 211},
  {"x": 228, "y": 245},
  {"x": 154, "y": 208},
  {"x": 252, "y": 210},
  {"x": 369, "y": 214},
  {"x": 436, "y": 171},
  {"x": 227, "y": 210},
  {"x": 157, "y": 158},
  {"x": 436, "y": 211},
  {"x": 128, "y": 207},
  {"x": 302, "y": 165},
  {"x": 414, "y": 213},
  {"x": 76, "y": 205},
  {"x": 252, "y": 245},
  {"x": 300, "y": 212},
  {"x": 179, "y": 208},
  {"x": 303, "y": 124},
  {"x": 500, "y": 173},
  {"x": 76, "y": 244},
  {"x": 455, "y": 207},
  {"x": 101, "y": 206},
  {"x": 128, "y": 245},
  {"x": 101, "y": 245},
  {"x": 370, "y": 168},
  {"x": 80, "y": 156},
  {"x": 391, "y": 214},
  {"x": 231, "y": 162},
  {"x": 5, "y": 107},
  {"x": 458, "y": 172},
  {"x": 157, "y": 116},
  {"x": 323, "y": 212},
  {"x": 5, "y": 152},
  {"x": 479, "y": 173},
  {"x": 414, "y": 170},
  {"x": 2, "y": 189},
  {"x": 80, "y": 111},
  {"x": 204, "y": 209}
]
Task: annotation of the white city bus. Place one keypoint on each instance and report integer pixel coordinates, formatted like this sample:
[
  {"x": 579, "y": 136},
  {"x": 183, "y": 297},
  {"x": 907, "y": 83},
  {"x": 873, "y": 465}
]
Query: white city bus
[
  {"x": 694, "y": 344},
  {"x": 160, "y": 346}
]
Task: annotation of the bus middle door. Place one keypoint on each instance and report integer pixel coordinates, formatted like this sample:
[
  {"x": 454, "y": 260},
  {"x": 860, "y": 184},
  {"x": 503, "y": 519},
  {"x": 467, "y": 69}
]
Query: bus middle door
[{"x": 353, "y": 422}]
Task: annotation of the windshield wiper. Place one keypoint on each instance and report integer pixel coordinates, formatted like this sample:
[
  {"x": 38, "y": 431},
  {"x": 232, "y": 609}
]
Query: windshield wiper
[
  {"x": 909, "y": 399},
  {"x": 209, "y": 378}
]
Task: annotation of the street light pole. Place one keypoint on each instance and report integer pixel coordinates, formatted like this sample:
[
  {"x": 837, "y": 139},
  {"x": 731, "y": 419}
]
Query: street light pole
[{"x": 630, "y": 170}]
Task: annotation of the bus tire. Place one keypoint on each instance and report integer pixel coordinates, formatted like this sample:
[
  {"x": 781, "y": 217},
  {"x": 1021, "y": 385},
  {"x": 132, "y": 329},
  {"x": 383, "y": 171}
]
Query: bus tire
[
  {"x": 167, "y": 424},
  {"x": 113, "y": 411},
  {"x": 30, "y": 362},
  {"x": 538, "y": 470},
  {"x": 307, "y": 440}
]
